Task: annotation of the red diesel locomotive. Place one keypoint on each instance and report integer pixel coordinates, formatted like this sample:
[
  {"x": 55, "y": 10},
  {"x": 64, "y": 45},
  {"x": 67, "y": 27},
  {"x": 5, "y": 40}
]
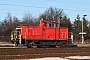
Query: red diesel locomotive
[{"x": 45, "y": 34}]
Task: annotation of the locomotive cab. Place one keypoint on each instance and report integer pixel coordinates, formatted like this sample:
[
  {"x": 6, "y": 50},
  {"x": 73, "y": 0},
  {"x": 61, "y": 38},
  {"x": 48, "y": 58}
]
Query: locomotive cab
[{"x": 53, "y": 24}]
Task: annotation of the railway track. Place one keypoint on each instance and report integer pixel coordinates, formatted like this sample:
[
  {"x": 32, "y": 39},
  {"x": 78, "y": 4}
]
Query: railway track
[{"x": 26, "y": 53}]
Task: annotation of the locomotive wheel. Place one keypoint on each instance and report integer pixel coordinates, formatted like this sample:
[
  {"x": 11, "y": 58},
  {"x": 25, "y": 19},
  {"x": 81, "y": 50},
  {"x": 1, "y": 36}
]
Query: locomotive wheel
[
  {"x": 15, "y": 44},
  {"x": 57, "y": 46},
  {"x": 31, "y": 45},
  {"x": 34, "y": 46}
]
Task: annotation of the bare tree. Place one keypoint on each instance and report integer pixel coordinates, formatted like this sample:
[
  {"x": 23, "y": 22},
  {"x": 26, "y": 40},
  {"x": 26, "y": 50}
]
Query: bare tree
[
  {"x": 27, "y": 19},
  {"x": 52, "y": 14},
  {"x": 16, "y": 22}
]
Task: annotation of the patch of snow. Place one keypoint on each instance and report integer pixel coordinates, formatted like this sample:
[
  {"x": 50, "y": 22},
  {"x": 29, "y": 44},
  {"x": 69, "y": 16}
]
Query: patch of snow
[
  {"x": 78, "y": 57},
  {"x": 6, "y": 44},
  {"x": 50, "y": 58},
  {"x": 66, "y": 58}
]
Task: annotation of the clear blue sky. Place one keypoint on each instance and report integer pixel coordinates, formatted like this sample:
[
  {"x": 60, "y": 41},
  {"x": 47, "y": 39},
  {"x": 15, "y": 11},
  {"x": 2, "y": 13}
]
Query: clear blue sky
[{"x": 19, "y": 7}]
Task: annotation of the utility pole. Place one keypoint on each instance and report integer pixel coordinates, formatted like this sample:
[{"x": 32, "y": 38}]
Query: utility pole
[
  {"x": 82, "y": 33},
  {"x": 82, "y": 29}
]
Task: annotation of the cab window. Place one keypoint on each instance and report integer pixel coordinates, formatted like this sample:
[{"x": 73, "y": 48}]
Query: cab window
[{"x": 51, "y": 25}]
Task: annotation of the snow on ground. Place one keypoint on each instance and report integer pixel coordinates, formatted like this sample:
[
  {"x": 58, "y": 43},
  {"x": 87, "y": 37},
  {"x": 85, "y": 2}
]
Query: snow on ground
[
  {"x": 6, "y": 44},
  {"x": 66, "y": 58},
  {"x": 50, "y": 58},
  {"x": 78, "y": 57}
]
